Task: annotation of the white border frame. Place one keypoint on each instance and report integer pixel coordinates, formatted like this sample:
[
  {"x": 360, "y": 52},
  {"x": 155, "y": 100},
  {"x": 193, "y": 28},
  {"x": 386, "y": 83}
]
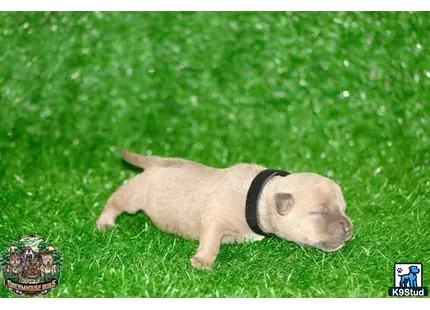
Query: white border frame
[{"x": 219, "y": 5}]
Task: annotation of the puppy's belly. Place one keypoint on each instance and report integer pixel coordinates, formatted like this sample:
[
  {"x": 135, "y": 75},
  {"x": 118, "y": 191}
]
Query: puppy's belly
[{"x": 189, "y": 229}]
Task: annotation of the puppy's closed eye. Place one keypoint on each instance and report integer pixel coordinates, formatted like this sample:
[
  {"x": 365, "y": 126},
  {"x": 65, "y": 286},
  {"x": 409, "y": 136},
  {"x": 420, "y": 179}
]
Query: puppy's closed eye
[{"x": 321, "y": 214}]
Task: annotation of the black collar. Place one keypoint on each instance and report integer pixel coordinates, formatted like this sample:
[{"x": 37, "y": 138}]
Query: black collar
[{"x": 253, "y": 196}]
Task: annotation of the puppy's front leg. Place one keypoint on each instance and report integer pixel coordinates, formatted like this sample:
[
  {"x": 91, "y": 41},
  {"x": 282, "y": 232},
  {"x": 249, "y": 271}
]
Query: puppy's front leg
[{"x": 210, "y": 240}]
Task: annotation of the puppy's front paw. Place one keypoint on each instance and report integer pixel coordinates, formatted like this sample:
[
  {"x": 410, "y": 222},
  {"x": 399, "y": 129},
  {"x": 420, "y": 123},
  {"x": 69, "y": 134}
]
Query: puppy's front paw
[
  {"x": 200, "y": 263},
  {"x": 105, "y": 221}
]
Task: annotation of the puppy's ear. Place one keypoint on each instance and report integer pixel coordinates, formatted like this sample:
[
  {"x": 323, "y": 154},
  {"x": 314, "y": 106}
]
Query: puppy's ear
[{"x": 284, "y": 202}]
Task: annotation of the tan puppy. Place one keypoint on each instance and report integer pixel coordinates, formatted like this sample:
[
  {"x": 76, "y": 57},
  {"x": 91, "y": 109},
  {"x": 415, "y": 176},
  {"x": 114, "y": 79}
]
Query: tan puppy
[{"x": 205, "y": 203}]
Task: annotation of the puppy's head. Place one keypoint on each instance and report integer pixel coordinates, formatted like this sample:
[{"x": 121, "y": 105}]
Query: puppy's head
[{"x": 310, "y": 210}]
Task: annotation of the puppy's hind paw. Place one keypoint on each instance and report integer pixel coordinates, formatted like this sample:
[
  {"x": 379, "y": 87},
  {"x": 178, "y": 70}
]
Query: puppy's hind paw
[
  {"x": 200, "y": 263},
  {"x": 105, "y": 221}
]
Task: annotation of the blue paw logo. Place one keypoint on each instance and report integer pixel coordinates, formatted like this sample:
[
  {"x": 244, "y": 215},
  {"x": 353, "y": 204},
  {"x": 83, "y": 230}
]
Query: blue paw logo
[{"x": 408, "y": 280}]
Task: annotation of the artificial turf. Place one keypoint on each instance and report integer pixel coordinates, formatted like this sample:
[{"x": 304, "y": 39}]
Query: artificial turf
[{"x": 345, "y": 95}]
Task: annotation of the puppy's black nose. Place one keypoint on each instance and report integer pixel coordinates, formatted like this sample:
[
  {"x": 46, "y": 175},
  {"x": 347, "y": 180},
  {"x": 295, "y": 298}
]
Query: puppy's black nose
[{"x": 347, "y": 227}]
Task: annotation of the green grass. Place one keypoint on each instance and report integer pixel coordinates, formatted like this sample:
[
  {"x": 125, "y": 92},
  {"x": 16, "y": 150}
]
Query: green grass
[{"x": 345, "y": 95}]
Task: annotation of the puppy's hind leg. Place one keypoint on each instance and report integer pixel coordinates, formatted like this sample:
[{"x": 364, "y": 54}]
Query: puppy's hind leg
[{"x": 109, "y": 214}]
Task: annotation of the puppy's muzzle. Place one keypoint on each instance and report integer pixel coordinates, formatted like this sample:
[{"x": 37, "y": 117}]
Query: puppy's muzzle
[
  {"x": 341, "y": 232},
  {"x": 346, "y": 227}
]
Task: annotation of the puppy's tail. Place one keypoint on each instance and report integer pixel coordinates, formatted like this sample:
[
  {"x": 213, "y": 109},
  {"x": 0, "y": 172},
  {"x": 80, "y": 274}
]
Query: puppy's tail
[
  {"x": 138, "y": 160},
  {"x": 145, "y": 162}
]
